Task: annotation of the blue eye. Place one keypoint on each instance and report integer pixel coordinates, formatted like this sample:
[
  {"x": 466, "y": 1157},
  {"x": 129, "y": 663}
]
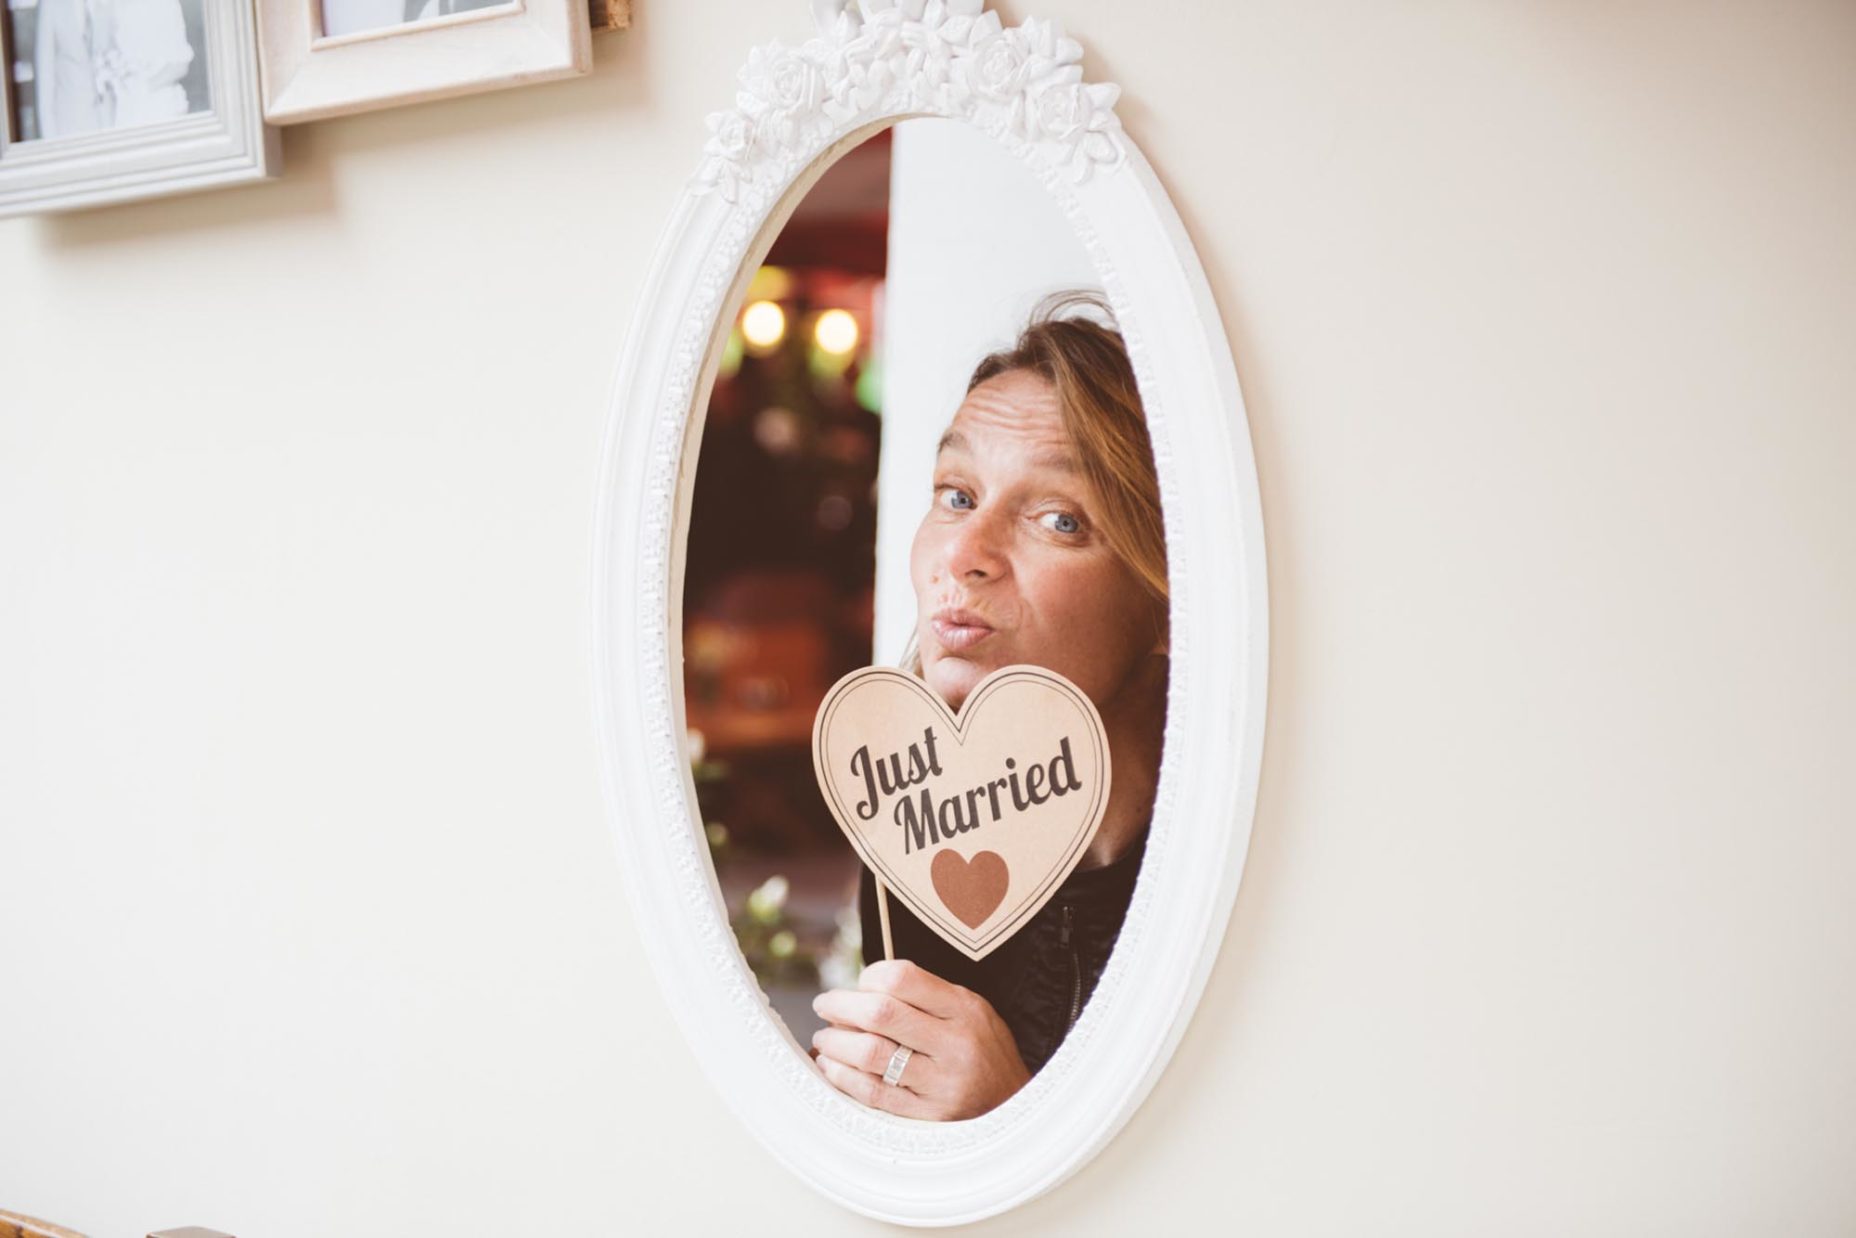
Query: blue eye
[
  {"x": 1063, "y": 522},
  {"x": 958, "y": 499}
]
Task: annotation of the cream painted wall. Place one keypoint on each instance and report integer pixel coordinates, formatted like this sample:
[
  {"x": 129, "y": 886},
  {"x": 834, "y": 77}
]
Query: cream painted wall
[{"x": 310, "y": 919}]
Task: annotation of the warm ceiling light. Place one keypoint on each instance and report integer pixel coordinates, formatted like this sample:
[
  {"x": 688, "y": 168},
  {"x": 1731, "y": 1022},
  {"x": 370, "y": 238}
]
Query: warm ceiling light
[
  {"x": 763, "y": 324},
  {"x": 836, "y": 332}
]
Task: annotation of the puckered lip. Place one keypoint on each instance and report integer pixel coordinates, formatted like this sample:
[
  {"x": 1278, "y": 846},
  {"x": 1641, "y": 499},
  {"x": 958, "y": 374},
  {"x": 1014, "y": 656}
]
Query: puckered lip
[{"x": 958, "y": 628}]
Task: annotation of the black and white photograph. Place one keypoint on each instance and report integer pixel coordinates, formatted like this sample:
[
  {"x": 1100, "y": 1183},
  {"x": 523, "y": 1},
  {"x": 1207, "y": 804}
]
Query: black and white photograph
[
  {"x": 80, "y": 66},
  {"x": 340, "y": 17}
]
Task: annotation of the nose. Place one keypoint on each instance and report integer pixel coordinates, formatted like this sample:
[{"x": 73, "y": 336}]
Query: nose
[{"x": 975, "y": 549}]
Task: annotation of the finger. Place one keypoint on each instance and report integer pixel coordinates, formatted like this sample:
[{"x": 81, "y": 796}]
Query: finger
[
  {"x": 867, "y": 1089},
  {"x": 882, "y": 1014},
  {"x": 871, "y": 1054},
  {"x": 916, "y": 985}
]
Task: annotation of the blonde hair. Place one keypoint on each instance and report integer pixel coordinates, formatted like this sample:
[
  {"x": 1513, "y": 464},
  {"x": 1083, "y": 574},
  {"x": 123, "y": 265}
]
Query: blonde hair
[{"x": 1072, "y": 344}]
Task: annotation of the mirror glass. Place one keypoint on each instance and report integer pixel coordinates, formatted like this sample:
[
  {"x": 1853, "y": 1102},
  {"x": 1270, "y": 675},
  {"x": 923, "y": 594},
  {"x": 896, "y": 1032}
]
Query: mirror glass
[{"x": 924, "y": 448}]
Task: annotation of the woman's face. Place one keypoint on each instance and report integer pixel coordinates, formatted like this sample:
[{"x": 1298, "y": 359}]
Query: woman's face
[{"x": 1009, "y": 564}]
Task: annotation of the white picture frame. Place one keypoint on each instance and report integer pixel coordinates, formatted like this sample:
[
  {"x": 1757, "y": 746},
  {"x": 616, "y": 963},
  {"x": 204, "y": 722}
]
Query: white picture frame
[
  {"x": 799, "y": 107},
  {"x": 309, "y": 75},
  {"x": 225, "y": 144}
]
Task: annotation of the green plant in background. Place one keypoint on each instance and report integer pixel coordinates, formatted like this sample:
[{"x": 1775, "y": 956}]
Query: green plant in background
[
  {"x": 705, "y": 771},
  {"x": 721, "y": 846},
  {"x": 767, "y": 939},
  {"x": 778, "y": 949}
]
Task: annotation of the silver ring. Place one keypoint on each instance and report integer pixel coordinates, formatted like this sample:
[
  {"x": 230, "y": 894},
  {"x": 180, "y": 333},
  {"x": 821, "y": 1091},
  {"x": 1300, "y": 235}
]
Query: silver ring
[{"x": 897, "y": 1061}]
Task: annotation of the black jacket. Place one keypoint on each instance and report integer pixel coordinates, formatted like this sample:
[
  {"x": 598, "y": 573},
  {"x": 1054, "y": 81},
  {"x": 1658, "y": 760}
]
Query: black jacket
[{"x": 1038, "y": 980}]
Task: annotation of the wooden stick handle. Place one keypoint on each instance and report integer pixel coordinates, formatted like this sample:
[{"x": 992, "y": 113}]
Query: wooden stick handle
[{"x": 882, "y": 915}]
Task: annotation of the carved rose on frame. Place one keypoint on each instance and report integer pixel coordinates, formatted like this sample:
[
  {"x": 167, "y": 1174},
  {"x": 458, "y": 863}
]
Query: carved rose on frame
[{"x": 1019, "y": 84}]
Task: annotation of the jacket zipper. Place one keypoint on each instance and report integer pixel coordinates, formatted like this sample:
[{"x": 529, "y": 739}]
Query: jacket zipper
[{"x": 1076, "y": 967}]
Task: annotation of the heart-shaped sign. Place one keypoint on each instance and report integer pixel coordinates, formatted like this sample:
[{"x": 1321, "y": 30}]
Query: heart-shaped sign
[{"x": 975, "y": 819}]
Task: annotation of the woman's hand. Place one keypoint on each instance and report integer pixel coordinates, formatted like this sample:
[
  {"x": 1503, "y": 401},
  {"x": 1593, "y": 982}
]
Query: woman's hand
[{"x": 965, "y": 1059}]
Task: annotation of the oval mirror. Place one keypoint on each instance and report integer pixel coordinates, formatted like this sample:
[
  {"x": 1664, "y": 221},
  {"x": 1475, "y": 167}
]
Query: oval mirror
[{"x": 926, "y": 375}]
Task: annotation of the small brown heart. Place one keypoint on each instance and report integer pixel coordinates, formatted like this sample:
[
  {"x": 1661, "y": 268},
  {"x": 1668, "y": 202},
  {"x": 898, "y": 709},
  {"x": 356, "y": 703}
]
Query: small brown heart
[{"x": 972, "y": 889}]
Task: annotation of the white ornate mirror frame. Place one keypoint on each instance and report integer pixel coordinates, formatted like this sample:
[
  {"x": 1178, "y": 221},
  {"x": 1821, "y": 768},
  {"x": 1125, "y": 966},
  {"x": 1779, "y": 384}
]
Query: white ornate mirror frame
[{"x": 799, "y": 108}]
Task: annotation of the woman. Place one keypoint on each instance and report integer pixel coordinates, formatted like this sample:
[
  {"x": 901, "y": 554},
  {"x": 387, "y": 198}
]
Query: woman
[{"x": 1043, "y": 545}]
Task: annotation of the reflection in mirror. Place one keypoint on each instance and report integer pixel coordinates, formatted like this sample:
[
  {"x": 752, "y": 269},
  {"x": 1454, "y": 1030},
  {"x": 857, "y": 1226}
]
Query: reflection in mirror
[{"x": 916, "y": 455}]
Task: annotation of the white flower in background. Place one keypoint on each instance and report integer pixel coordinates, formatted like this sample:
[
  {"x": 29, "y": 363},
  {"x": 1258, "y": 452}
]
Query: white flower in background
[
  {"x": 841, "y": 961},
  {"x": 767, "y": 901}
]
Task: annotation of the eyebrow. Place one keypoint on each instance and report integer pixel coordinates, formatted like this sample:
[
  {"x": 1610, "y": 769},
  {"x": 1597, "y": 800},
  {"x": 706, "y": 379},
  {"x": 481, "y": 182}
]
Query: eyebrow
[{"x": 1061, "y": 461}]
